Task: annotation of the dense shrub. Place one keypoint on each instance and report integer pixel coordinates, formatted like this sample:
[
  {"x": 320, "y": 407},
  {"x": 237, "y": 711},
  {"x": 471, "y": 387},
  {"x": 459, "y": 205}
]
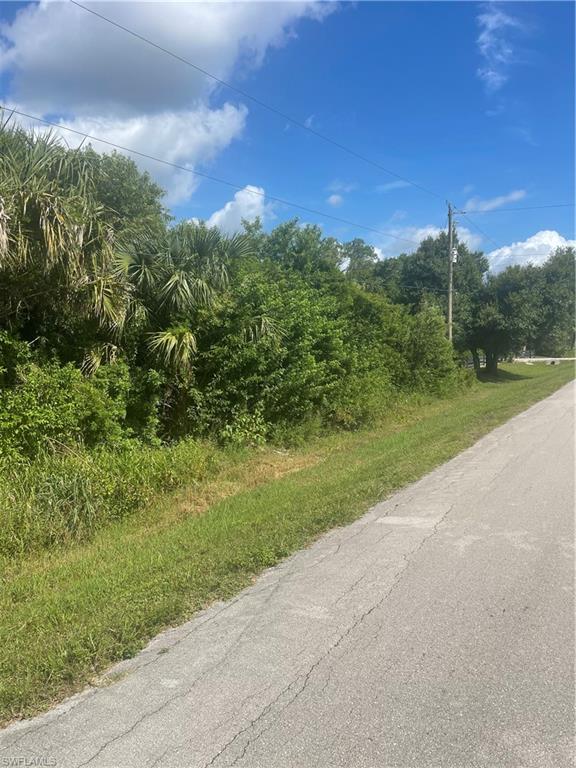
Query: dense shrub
[
  {"x": 143, "y": 402},
  {"x": 50, "y": 406},
  {"x": 122, "y": 334},
  {"x": 277, "y": 348},
  {"x": 362, "y": 399},
  {"x": 430, "y": 354},
  {"x": 13, "y": 354}
]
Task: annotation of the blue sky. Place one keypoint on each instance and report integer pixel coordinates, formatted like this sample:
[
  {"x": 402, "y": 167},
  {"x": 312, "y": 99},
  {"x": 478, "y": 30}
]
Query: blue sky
[{"x": 474, "y": 101}]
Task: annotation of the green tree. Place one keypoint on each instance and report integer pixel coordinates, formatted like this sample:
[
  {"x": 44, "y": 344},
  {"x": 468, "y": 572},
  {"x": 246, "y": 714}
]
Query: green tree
[
  {"x": 506, "y": 314},
  {"x": 555, "y": 334},
  {"x": 131, "y": 199},
  {"x": 57, "y": 248},
  {"x": 423, "y": 275},
  {"x": 301, "y": 248},
  {"x": 360, "y": 260}
]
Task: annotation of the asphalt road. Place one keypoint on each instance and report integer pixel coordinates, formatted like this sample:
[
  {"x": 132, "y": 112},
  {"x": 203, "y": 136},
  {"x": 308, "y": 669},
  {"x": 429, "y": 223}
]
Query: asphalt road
[{"x": 436, "y": 631}]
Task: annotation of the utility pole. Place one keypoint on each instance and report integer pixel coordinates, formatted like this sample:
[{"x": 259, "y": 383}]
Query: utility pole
[{"x": 450, "y": 271}]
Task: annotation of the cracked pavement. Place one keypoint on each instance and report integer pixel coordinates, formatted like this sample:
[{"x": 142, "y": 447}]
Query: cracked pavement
[{"x": 435, "y": 631}]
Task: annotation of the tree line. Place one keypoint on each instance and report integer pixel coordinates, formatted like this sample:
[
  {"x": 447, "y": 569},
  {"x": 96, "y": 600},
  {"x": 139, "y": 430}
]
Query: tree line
[
  {"x": 521, "y": 309},
  {"x": 118, "y": 323}
]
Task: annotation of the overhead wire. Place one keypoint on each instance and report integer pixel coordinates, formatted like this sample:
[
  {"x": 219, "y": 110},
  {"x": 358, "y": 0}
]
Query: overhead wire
[
  {"x": 233, "y": 185},
  {"x": 215, "y": 179},
  {"x": 498, "y": 247},
  {"x": 256, "y": 100},
  {"x": 280, "y": 113},
  {"x": 479, "y": 229},
  {"x": 304, "y": 126},
  {"x": 524, "y": 208}
]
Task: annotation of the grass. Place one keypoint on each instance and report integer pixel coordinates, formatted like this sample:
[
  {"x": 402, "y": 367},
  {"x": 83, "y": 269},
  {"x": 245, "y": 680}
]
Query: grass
[
  {"x": 61, "y": 499},
  {"x": 67, "y": 614}
]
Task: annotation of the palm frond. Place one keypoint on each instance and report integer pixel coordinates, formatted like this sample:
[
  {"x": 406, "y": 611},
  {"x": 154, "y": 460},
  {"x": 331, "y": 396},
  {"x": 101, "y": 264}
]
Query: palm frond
[
  {"x": 260, "y": 327},
  {"x": 174, "y": 346},
  {"x": 53, "y": 231},
  {"x": 238, "y": 247},
  {"x": 99, "y": 354},
  {"x": 4, "y": 230},
  {"x": 176, "y": 292}
]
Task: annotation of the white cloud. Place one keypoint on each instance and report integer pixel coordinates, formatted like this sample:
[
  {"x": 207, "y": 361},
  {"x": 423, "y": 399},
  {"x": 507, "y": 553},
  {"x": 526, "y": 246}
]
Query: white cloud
[
  {"x": 491, "y": 204},
  {"x": 248, "y": 203},
  {"x": 534, "y": 250},
  {"x": 525, "y": 134},
  {"x": 495, "y": 46},
  {"x": 61, "y": 61},
  {"x": 62, "y": 58},
  {"x": 390, "y": 247},
  {"x": 184, "y": 138},
  {"x": 392, "y": 185},
  {"x": 341, "y": 186},
  {"x": 335, "y": 200}
]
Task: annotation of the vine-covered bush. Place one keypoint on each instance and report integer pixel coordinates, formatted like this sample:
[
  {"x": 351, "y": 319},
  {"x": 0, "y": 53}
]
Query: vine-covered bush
[{"x": 51, "y": 406}]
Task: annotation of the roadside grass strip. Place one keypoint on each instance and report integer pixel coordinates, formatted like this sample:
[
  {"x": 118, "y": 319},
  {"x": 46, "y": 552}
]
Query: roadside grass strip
[{"x": 68, "y": 613}]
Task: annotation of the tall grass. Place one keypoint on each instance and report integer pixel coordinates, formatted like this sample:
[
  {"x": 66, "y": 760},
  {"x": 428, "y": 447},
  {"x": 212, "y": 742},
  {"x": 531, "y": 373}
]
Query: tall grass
[
  {"x": 59, "y": 499},
  {"x": 66, "y": 498}
]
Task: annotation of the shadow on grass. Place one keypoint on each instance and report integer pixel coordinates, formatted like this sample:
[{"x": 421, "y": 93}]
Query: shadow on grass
[{"x": 501, "y": 377}]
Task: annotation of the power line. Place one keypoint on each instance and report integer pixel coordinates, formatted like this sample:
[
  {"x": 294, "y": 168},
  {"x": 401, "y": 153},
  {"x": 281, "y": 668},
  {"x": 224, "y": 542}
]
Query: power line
[
  {"x": 256, "y": 100},
  {"x": 290, "y": 119},
  {"x": 302, "y": 126},
  {"x": 479, "y": 229},
  {"x": 211, "y": 178},
  {"x": 525, "y": 208},
  {"x": 498, "y": 247},
  {"x": 264, "y": 105},
  {"x": 239, "y": 187}
]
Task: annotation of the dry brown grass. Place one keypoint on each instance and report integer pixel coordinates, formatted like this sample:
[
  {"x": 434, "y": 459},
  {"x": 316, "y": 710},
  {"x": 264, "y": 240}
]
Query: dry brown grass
[{"x": 239, "y": 477}]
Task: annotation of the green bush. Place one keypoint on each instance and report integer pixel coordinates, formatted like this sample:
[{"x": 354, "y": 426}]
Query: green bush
[
  {"x": 362, "y": 400},
  {"x": 52, "y": 406},
  {"x": 245, "y": 429},
  {"x": 143, "y": 402},
  {"x": 276, "y": 348},
  {"x": 430, "y": 354},
  {"x": 13, "y": 354}
]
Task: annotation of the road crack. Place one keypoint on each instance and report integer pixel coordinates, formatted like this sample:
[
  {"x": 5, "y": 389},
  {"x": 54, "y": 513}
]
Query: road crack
[{"x": 268, "y": 709}]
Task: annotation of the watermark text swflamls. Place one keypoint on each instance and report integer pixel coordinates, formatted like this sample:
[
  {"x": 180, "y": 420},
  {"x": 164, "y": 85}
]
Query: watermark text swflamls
[{"x": 21, "y": 761}]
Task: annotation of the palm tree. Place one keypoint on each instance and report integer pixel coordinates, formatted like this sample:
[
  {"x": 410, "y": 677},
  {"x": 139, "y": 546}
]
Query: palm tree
[
  {"x": 56, "y": 248},
  {"x": 62, "y": 264},
  {"x": 177, "y": 279}
]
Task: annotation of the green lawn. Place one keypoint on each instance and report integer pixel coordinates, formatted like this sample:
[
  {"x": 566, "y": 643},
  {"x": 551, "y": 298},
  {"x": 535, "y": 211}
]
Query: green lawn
[{"x": 68, "y": 614}]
